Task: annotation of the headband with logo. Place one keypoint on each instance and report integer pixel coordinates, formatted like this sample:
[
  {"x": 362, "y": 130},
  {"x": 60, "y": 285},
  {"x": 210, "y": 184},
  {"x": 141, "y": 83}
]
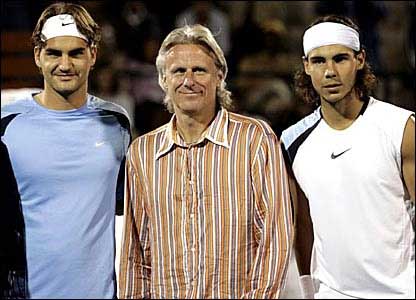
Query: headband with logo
[
  {"x": 330, "y": 33},
  {"x": 61, "y": 25}
]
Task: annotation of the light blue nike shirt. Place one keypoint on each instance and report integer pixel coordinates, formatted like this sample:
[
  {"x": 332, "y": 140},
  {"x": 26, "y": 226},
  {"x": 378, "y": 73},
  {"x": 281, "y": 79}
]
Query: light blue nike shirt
[{"x": 66, "y": 164}]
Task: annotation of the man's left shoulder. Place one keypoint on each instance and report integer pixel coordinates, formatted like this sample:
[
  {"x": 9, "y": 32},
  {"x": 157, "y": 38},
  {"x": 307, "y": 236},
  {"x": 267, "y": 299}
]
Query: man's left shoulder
[
  {"x": 112, "y": 108},
  {"x": 385, "y": 109},
  {"x": 99, "y": 103},
  {"x": 248, "y": 121}
]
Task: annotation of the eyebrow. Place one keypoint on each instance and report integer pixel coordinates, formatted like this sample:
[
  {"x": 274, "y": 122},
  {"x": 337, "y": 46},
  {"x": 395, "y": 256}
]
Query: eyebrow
[
  {"x": 72, "y": 51},
  {"x": 342, "y": 54}
]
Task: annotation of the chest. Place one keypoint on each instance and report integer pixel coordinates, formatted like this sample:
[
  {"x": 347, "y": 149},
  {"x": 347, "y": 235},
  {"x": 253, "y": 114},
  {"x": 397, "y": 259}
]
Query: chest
[
  {"x": 359, "y": 154},
  {"x": 76, "y": 145}
]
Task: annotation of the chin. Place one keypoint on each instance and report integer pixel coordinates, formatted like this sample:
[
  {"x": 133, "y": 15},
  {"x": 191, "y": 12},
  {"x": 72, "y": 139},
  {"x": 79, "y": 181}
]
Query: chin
[
  {"x": 333, "y": 98},
  {"x": 65, "y": 92}
]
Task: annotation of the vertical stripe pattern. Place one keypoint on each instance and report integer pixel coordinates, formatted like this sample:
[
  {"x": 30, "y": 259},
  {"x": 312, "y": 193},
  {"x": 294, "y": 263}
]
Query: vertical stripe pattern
[{"x": 209, "y": 220}]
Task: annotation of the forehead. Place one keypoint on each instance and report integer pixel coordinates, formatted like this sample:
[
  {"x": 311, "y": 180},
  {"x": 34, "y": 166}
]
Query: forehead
[
  {"x": 65, "y": 43},
  {"x": 187, "y": 53},
  {"x": 330, "y": 50}
]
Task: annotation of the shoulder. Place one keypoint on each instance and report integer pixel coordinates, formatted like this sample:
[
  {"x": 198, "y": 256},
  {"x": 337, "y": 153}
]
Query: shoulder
[
  {"x": 247, "y": 122},
  {"x": 380, "y": 110},
  {"x": 389, "y": 118},
  {"x": 301, "y": 129},
  {"x": 157, "y": 134},
  {"x": 110, "y": 107},
  {"x": 18, "y": 104},
  {"x": 98, "y": 103}
]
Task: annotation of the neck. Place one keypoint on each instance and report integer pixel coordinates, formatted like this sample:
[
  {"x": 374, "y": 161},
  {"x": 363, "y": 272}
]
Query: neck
[
  {"x": 342, "y": 114},
  {"x": 191, "y": 128},
  {"x": 51, "y": 99}
]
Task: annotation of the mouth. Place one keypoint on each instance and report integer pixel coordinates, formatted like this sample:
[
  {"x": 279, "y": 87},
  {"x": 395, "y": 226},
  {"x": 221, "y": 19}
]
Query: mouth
[
  {"x": 65, "y": 76},
  {"x": 331, "y": 86},
  {"x": 190, "y": 93}
]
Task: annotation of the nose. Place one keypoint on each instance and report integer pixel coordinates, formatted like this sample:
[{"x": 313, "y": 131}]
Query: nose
[
  {"x": 65, "y": 63},
  {"x": 330, "y": 70},
  {"x": 189, "y": 80}
]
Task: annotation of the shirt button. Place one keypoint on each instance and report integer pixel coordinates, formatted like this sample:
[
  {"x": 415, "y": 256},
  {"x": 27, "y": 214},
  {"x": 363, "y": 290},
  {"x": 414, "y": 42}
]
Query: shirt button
[
  {"x": 193, "y": 249},
  {"x": 192, "y": 216}
]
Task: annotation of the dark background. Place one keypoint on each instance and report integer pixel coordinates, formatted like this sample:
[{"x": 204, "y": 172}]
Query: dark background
[{"x": 262, "y": 41}]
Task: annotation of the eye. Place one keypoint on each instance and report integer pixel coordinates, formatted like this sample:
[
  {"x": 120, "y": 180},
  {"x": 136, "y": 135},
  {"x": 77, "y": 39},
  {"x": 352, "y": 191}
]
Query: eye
[
  {"x": 340, "y": 58},
  {"x": 77, "y": 53},
  {"x": 317, "y": 60},
  {"x": 178, "y": 70},
  {"x": 53, "y": 53},
  {"x": 199, "y": 70}
]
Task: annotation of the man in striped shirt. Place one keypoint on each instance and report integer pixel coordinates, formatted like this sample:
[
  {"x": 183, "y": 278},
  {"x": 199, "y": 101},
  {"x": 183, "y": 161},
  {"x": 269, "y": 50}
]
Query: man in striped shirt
[{"x": 207, "y": 207}]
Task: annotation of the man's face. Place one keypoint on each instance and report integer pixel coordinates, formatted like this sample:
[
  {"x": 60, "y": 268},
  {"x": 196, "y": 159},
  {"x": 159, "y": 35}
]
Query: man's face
[
  {"x": 191, "y": 79},
  {"x": 65, "y": 62},
  {"x": 333, "y": 71}
]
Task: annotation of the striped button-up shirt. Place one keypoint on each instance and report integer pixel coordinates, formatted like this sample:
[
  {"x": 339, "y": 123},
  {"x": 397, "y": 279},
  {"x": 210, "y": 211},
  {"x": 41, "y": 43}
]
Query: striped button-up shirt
[{"x": 207, "y": 220}]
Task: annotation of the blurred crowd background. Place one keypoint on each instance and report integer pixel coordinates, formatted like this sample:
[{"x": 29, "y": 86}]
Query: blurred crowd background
[{"x": 262, "y": 41}]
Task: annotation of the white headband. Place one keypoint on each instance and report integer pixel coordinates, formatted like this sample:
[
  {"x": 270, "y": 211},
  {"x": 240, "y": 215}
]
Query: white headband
[
  {"x": 61, "y": 25},
  {"x": 330, "y": 33}
]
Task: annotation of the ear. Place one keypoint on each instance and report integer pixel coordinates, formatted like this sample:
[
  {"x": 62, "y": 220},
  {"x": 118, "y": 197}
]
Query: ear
[
  {"x": 361, "y": 59},
  {"x": 306, "y": 65},
  {"x": 220, "y": 77},
  {"x": 36, "y": 55},
  {"x": 163, "y": 82},
  {"x": 93, "y": 50}
]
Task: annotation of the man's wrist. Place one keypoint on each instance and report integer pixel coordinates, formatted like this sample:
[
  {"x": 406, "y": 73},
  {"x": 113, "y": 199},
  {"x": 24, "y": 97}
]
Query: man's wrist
[{"x": 307, "y": 287}]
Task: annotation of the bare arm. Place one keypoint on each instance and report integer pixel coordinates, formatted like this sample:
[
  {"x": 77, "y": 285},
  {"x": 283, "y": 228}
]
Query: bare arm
[
  {"x": 303, "y": 226},
  {"x": 408, "y": 157}
]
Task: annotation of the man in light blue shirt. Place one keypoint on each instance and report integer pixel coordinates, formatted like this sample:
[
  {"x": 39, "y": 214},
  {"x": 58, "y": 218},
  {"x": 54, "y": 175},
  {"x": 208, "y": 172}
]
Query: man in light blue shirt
[{"x": 67, "y": 152}]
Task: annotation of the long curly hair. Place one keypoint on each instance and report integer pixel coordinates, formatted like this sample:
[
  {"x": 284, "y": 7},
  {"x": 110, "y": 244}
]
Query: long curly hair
[{"x": 365, "y": 82}]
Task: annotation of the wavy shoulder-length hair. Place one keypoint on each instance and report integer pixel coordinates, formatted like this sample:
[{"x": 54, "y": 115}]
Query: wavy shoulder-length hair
[
  {"x": 198, "y": 35},
  {"x": 365, "y": 81}
]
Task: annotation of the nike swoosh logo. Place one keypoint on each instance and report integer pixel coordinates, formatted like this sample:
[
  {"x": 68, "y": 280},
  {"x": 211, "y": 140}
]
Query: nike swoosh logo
[
  {"x": 64, "y": 24},
  {"x": 98, "y": 144},
  {"x": 333, "y": 156}
]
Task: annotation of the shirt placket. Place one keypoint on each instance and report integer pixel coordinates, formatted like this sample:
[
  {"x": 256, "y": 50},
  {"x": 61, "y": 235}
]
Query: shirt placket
[{"x": 192, "y": 205}]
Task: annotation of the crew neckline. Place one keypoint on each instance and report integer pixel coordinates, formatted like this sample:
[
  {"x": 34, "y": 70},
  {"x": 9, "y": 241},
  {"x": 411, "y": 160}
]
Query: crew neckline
[{"x": 81, "y": 109}]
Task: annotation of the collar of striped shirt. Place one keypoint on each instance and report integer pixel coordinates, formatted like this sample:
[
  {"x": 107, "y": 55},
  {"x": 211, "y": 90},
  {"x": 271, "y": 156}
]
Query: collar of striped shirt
[{"x": 217, "y": 133}]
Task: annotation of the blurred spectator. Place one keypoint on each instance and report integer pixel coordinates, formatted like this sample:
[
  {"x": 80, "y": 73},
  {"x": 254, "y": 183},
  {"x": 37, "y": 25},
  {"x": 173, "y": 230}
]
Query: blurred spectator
[
  {"x": 245, "y": 46},
  {"x": 368, "y": 14},
  {"x": 272, "y": 99},
  {"x": 11, "y": 9},
  {"x": 273, "y": 57},
  {"x": 411, "y": 39},
  {"x": 136, "y": 26},
  {"x": 107, "y": 84},
  {"x": 144, "y": 88},
  {"x": 207, "y": 14}
]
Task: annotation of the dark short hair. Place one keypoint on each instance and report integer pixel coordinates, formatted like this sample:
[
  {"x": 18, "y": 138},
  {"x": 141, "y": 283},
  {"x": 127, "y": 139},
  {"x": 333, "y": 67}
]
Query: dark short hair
[{"x": 85, "y": 23}]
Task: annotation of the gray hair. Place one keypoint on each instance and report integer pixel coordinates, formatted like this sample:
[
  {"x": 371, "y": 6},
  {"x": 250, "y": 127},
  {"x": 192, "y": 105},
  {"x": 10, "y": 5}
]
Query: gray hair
[{"x": 198, "y": 35}]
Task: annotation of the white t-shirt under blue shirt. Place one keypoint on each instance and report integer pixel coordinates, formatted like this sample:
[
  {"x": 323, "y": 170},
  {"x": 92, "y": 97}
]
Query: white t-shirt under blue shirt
[{"x": 66, "y": 164}]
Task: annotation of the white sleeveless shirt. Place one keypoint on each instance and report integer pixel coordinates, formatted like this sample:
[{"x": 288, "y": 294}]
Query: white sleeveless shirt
[{"x": 363, "y": 234}]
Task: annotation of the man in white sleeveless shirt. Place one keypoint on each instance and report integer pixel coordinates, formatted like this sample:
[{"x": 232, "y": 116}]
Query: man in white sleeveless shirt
[{"x": 353, "y": 164}]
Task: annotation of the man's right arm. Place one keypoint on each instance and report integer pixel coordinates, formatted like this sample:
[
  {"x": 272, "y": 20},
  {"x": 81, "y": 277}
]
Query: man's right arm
[
  {"x": 135, "y": 259},
  {"x": 303, "y": 236}
]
